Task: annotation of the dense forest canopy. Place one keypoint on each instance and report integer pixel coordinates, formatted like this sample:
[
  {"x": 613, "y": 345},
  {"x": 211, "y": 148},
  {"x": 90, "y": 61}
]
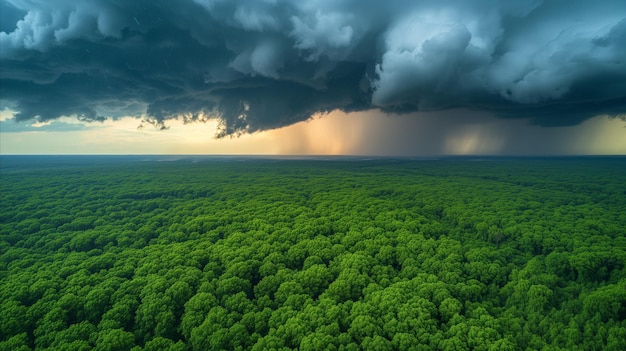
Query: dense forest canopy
[{"x": 128, "y": 253}]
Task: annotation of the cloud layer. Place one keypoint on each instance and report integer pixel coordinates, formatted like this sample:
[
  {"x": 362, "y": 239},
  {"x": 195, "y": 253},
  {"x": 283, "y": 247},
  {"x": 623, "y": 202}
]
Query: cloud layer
[{"x": 258, "y": 65}]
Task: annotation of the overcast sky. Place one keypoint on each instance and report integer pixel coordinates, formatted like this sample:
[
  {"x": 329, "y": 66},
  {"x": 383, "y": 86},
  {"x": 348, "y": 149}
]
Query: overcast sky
[{"x": 377, "y": 77}]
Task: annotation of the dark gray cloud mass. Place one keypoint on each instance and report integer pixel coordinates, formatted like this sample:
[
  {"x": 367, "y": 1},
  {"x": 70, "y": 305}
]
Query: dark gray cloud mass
[{"x": 262, "y": 64}]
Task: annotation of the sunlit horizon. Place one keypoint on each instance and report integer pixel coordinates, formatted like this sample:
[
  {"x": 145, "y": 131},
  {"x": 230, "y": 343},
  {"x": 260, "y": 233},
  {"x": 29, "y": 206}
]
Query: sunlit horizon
[{"x": 337, "y": 133}]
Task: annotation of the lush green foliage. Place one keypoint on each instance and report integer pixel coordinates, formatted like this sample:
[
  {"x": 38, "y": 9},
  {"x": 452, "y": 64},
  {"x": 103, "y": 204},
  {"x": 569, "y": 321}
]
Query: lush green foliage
[{"x": 117, "y": 254}]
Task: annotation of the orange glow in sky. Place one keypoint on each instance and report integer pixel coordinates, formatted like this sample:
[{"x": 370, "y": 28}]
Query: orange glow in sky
[{"x": 337, "y": 133}]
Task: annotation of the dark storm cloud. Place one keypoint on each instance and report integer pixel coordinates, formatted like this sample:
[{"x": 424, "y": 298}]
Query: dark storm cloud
[
  {"x": 9, "y": 15},
  {"x": 258, "y": 65}
]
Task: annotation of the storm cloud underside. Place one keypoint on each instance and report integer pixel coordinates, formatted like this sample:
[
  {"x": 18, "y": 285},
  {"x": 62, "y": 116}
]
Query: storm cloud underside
[{"x": 258, "y": 65}]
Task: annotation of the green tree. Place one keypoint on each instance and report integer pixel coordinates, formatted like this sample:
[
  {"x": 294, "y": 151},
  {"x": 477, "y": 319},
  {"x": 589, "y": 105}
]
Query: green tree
[{"x": 114, "y": 340}]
